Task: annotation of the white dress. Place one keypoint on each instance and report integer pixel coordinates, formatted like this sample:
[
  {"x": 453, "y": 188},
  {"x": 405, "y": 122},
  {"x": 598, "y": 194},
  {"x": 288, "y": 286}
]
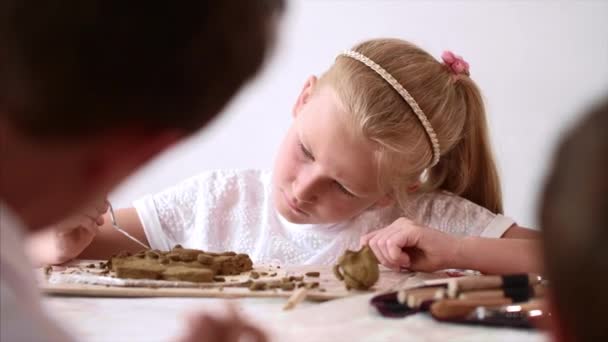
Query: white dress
[{"x": 232, "y": 210}]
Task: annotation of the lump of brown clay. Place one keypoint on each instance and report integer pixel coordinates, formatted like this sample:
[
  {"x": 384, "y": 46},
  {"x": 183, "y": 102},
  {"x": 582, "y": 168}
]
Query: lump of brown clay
[
  {"x": 179, "y": 264},
  {"x": 197, "y": 275},
  {"x": 359, "y": 270}
]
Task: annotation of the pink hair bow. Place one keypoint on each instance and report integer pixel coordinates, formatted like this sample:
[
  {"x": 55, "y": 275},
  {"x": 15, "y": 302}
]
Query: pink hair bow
[{"x": 456, "y": 63}]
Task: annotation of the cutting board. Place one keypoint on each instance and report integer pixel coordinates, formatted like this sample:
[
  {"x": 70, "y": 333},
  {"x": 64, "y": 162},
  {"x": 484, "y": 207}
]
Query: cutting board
[{"x": 67, "y": 280}]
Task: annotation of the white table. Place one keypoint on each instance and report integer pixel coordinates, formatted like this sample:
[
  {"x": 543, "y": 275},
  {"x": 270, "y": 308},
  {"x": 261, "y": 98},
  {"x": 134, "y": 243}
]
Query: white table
[{"x": 351, "y": 319}]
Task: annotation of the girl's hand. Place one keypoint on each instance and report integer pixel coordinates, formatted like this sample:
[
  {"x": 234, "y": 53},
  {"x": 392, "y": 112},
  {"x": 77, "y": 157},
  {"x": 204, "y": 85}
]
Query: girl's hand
[
  {"x": 204, "y": 327},
  {"x": 405, "y": 244},
  {"x": 66, "y": 240}
]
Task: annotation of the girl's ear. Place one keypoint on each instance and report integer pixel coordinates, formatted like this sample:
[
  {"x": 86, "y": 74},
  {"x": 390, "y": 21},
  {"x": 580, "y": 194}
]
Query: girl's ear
[{"x": 305, "y": 94}]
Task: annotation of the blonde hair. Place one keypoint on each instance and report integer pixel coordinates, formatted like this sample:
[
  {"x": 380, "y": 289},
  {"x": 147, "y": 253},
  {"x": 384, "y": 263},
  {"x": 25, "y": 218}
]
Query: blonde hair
[{"x": 453, "y": 105}]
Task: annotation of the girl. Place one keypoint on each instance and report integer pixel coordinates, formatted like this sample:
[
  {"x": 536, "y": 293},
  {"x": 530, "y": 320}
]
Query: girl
[{"x": 388, "y": 135}]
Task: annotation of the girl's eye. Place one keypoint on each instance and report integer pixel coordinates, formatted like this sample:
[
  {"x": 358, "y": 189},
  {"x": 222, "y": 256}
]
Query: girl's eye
[
  {"x": 306, "y": 153},
  {"x": 343, "y": 190}
]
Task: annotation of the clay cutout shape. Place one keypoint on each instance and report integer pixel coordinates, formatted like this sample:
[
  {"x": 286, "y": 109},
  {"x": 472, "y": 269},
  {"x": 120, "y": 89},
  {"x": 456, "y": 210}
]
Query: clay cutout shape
[
  {"x": 358, "y": 269},
  {"x": 180, "y": 264}
]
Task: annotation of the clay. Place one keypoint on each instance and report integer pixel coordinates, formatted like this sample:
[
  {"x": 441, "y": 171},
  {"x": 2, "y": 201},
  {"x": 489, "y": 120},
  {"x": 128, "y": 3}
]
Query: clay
[
  {"x": 358, "y": 269},
  {"x": 179, "y": 264},
  {"x": 219, "y": 279},
  {"x": 197, "y": 275},
  {"x": 48, "y": 269},
  {"x": 258, "y": 286},
  {"x": 288, "y": 286},
  {"x": 313, "y": 274},
  {"x": 254, "y": 275}
]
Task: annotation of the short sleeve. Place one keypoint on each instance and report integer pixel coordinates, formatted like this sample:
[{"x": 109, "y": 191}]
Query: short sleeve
[
  {"x": 456, "y": 215},
  {"x": 169, "y": 216}
]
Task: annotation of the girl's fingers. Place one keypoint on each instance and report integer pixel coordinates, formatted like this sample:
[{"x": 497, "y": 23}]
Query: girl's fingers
[{"x": 374, "y": 244}]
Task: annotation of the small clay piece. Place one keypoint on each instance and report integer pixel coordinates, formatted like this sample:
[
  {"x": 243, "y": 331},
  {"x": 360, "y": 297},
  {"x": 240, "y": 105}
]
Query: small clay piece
[
  {"x": 219, "y": 279},
  {"x": 221, "y": 288},
  {"x": 322, "y": 290},
  {"x": 179, "y": 264},
  {"x": 298, "y": 278},
  {"x": 301, "y": 284},
  {"x": 90, "y": 266},
  {"x": 263, "y": 274},
  {"x": 273, "y": 274},
  {"x": 254, "y": 275},
  {"x": 178, "y": 246},
  {"x": 288, "y": 286},
  {"x": 359, "y": 270},
  {"x": 48, "y": 269},
  {"x": 258, "y": 286},
  {"x": 313, "y": 274},
  {"x": 312, "y": 285}
]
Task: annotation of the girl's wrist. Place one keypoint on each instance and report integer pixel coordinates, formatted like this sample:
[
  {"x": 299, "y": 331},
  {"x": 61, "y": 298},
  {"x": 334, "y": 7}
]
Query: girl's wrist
[{"x": 459, "y": 253}]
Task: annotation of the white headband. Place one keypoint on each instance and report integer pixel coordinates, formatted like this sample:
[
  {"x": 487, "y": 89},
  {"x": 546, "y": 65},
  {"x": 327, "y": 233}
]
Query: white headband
[{"x": 406, "y": 96}]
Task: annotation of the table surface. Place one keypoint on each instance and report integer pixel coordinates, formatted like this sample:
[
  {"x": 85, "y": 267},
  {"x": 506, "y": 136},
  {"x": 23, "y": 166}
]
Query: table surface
[{"x": 348, "y": 319}]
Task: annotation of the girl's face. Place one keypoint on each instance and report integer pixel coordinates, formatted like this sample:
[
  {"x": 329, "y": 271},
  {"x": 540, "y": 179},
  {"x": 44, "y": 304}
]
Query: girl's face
[{"x": 324, "y": 172}]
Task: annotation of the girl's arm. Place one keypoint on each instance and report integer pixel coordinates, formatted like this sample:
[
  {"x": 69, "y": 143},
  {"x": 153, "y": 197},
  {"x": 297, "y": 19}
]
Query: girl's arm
[
  {"x": 498, "y": 256},
  {"x": 517, "y": 232},
  {"x": 405, "y": 244}
]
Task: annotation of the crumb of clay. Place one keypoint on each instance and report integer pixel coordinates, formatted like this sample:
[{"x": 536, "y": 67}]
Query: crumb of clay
[
  {"x": 219, "y": 279},
  {"x": 287, "y": 286},
  {"x": 313, "y": 274},
  {"x": 254, "y": 275},
  {"x": 359, "y": 270},
  {"x": 273, "y": 274},
  {"x": 263, "y": 274},
  {"x": 48, "y": 269},
  {"x": 258, "y": 286},
  {"x": 221, "y": 288},
  {"x": 90, "y": 266},
  {"x": 179, "y": 264},
  {"x": 312, "y": 285}
]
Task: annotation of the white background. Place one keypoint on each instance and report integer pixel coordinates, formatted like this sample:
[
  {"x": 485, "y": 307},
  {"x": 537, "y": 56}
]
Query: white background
[{"x": 538, "y": 63}]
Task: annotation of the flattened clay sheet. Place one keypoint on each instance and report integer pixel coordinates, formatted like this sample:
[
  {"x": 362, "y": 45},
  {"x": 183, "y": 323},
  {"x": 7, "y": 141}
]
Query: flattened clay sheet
[{"x": 76, "y": 279}]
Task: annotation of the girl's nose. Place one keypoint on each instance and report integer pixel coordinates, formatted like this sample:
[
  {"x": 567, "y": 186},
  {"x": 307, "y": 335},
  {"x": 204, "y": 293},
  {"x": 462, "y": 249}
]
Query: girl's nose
[{"x": 305, "y": 188}]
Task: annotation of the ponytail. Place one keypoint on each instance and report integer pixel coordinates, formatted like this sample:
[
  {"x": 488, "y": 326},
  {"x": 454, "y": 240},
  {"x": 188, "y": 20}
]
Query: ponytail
[{"x": 468, "y": 169}]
